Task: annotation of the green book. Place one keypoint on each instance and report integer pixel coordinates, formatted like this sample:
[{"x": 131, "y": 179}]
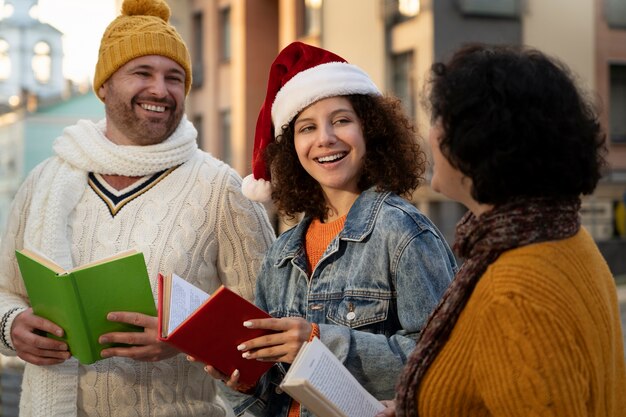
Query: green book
[{"x": 78, "y": 300}]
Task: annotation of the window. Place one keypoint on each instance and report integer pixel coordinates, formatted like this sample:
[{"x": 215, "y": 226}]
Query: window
[
  {"x": 409, "y": 8},
  {"x": 398, "y": 11},
  {"x": 490, "y": 8},
  {"x": 7, "y": 10},
  {"x": 42, "y": 62},
  {"x": 617, "y": 115},
  {"x": 403, "y": 88},
  {"x": 198, "y": 50},
  {"x": 312, "y": 17},
  {"x": 225, "y": 124},
  {"x": 34, "y": 12},
  {"x": 5, "y": 61},
  {"x": 225, "y": 47},
  {"x": 615, "y": 13}
]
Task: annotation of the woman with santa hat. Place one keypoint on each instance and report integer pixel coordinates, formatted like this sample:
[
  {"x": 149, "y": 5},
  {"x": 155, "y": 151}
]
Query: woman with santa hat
[{"x": 363, "y": 268}]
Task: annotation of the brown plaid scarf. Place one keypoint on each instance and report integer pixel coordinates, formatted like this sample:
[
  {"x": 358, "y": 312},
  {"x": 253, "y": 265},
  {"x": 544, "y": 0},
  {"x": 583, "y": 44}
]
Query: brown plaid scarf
[{"x": 480, "y": 240}]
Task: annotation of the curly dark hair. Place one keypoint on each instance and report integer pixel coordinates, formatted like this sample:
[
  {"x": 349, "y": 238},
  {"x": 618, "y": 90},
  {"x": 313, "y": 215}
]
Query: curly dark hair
[
  {"x": 514, "y": 122},
  {"x": 394, "y": 161}
]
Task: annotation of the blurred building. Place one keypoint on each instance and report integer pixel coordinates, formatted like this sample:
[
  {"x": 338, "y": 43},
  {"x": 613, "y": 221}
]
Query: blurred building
[
  {"x": 31, "y": 56},
  {"x": 36, "y": 101},
  {"x": 233, "y": 43},
  {"x": 30, "y": 68}
]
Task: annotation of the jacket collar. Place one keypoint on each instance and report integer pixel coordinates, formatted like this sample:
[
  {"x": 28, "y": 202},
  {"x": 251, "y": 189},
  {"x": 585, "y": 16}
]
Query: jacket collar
[{"x": 359, "y": 224}]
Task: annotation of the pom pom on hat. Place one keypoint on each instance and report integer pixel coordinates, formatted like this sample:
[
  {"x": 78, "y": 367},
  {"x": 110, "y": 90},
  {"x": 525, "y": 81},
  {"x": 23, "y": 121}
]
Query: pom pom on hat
[
  {"x": 256, "y": 189},
  {"x": 141, "y": 29},
  {"x": 147, "y": 8},
  {"x": 300, "y": 75}
]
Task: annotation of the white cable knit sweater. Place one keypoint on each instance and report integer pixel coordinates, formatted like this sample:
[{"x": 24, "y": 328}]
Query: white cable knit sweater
[{"x": 194, "y": 222}]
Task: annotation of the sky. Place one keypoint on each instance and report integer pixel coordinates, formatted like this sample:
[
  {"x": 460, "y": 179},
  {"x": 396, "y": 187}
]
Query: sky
[{"x": 83, "y": 23}]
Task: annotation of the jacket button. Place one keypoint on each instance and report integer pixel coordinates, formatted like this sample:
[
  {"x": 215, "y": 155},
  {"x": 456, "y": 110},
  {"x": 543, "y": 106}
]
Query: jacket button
[
  {"x": 278, "y": 390},
  {"x": 351, "y": 316}
]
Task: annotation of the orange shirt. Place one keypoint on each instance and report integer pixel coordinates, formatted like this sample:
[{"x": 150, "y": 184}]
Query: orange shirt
[{"x": 318, "y": 237}]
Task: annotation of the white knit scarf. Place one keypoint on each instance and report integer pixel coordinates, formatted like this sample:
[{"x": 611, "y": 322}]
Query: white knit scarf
[{"x": 83, "y": 148}]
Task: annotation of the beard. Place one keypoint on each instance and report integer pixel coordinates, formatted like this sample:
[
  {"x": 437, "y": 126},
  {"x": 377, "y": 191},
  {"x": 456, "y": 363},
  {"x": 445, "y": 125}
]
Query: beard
[{"x": 142, "y": 129}]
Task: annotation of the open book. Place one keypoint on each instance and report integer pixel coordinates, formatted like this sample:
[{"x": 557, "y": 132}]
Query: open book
[
  {"x": 209, "y": 328},
  {"x": 78, "y": 300},
  {"x": 320, "y": 382}
]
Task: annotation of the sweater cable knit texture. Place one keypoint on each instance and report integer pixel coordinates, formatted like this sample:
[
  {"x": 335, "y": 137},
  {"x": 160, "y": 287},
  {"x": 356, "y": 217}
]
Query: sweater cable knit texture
[{"x": 194, "y": 222}]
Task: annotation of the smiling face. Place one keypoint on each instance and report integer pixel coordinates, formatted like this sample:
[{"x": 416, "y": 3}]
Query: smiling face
[
  {"x": 330, "y": 145},
  {"x": 144, "y": 100}
]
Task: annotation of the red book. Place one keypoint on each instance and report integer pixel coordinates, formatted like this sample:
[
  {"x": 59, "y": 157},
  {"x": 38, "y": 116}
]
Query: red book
[{"x": 209, "y": 328}]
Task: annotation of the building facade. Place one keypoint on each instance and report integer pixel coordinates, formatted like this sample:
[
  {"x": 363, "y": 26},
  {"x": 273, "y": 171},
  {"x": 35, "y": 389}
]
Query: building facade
[
  {"x": 233, "y": 43},
  {"x": 31, "y": 55}
]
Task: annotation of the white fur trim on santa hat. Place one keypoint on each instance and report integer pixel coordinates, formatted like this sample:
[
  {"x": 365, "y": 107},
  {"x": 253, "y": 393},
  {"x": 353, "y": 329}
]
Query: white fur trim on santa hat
[
  {"x": 256, "y": 190},
  {"x": 315, "y": 83}
]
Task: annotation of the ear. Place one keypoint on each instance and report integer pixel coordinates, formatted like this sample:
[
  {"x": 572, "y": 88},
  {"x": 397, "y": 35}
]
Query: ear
[{"x": 101, "y": 92}]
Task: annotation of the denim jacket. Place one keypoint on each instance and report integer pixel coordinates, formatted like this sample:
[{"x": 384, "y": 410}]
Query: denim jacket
[{"x": 370, "y": 293}]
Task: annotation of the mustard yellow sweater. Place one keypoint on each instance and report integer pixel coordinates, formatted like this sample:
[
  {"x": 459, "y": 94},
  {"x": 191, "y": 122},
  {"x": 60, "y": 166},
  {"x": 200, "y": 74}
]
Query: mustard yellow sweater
[{"x": 540, "y": 336}]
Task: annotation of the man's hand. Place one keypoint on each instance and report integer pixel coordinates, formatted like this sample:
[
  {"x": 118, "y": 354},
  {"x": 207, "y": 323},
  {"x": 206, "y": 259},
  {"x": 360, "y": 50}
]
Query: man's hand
[
  {"x": 33, "y": 347},
  {"x": 146, "y": 346}
]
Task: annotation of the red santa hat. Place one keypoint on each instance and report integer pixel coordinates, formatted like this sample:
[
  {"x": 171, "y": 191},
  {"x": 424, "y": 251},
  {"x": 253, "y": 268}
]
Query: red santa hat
[{"x": 300, "y": 75}]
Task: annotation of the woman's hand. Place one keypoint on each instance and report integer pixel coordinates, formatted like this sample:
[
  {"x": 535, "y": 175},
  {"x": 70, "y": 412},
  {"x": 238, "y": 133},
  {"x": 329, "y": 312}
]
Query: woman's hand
[
  {"x": 389, "y": 411},
  {"x": 282, "y": 346},
  {"x": 231, "y": 382}
]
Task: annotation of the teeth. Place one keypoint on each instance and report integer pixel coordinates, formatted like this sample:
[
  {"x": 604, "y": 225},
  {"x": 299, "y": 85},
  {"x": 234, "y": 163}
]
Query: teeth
[
  {"x": 331, "y": 158},
  {"x": 158, "y": 109}
]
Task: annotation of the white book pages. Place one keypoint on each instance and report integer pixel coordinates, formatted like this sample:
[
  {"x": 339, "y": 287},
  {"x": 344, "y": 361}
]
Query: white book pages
[
  {"x": 320, "y": 382},
  {"x": 185, "y": 298}
]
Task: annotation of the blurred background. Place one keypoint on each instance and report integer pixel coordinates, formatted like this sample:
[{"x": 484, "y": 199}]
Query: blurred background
[{"x": 48, "y": 49}]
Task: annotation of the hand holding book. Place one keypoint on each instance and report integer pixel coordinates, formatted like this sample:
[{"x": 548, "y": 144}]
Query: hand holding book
[
  {"x": 28, "y": 336},
  {"x": 389, "y": 410},
  {"x": 142, "y": 345},
  {"x": 281, "y": 346},
  {"x": 226, "y": 331},
  {"x": 321, "y": 383},
  {"x": 78, "y": 300},
  {"x": 209, "y": 327}
]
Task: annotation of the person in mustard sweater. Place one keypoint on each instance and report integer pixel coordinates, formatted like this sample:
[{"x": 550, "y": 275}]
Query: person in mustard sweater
[
  {"x": 364, "y": 268},
  {"x": 530, "y": 326}
]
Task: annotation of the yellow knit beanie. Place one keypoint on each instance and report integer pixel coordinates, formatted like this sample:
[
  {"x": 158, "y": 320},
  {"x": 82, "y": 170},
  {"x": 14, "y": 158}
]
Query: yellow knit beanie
[{"x": 142, "y": 29}]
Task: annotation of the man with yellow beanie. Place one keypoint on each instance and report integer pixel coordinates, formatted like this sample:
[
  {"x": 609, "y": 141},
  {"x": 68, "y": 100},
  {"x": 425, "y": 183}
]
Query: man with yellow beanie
[{"x": 136, "y": 179}]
